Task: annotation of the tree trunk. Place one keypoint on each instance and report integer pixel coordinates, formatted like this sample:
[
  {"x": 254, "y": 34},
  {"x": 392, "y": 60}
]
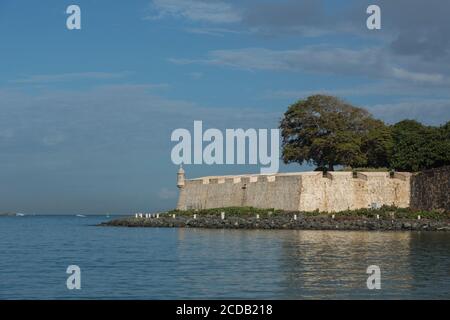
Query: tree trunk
[{"x": 330, "y": 167}]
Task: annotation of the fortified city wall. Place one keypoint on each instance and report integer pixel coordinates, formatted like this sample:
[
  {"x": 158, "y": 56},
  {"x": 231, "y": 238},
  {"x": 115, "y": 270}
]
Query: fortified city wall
[
  {"x": 302, "y": 191},
  {"x": 430, "y": 190}
]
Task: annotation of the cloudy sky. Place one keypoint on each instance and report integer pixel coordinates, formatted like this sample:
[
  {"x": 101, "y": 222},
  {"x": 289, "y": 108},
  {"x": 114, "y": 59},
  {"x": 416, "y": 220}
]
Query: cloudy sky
[{"x": 86, "y": 115}]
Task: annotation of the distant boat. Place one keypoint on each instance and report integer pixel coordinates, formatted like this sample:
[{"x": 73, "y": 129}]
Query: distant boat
[
  {"x": 81, "y": 215},
  {"x": 18, "y": 214}
]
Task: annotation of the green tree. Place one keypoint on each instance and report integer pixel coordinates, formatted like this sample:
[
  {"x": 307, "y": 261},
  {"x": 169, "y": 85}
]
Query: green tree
[
  {"x": 378, "y": 144},
  {"x": 327, "y": 131},
  {"x": 418, "y": 147},
  {"x": 445, "y": 139},
  {"x": 443, "y": 146}
]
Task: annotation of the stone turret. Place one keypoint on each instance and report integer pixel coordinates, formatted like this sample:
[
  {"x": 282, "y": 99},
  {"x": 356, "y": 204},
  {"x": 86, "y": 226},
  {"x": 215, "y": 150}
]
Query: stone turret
[{"x": 180, "y": 177}]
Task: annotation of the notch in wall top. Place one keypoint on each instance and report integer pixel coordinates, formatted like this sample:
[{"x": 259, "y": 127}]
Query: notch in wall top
[
  {"x": 368, "y": 175},
  {"x": 339, "y": 175},
  {"x": 402, "y": 175}
]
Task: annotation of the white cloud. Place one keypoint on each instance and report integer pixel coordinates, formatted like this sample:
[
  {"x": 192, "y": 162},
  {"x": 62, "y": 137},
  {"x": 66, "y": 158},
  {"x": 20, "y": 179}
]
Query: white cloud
[
  {"x": 317, "y": 59},
  {"x": 64, "y": 77},
  {"x": 384, "y": 88},
  {"x": 217, "y": 32},
  {"x": 197, "y": 10},
  {"x": 417, "y": 76},
  {"x": 367, "y": 62},
  {"x": 428, "y": 111},
  {"x": 107, "y": 118}
]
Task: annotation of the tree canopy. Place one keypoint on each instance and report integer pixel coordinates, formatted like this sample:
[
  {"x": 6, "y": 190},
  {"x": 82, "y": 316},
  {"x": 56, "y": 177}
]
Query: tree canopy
[
  {"x": 418, "y": 147},
  {"x": 327, "y": 131},
  {"x": 377, "y": 144}
]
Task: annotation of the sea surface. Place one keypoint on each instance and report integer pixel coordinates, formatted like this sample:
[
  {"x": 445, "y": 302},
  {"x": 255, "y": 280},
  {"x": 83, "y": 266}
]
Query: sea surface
[{"x": 146, "y": 263}]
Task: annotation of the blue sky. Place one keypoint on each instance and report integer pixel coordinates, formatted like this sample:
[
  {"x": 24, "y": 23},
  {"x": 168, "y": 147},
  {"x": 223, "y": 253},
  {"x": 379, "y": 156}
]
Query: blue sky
[{"x": 86, "y": 115}]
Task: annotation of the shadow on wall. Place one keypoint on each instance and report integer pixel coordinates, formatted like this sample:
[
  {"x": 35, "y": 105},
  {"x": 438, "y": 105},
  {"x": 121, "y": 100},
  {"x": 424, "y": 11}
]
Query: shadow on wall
[{"x": 430, "y": 189}]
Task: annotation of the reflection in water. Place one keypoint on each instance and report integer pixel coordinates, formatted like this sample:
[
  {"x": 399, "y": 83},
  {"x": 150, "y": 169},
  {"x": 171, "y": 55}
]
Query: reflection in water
[
  {"x": 160, "y": 263},
  {"x": 326, "y": 264},
  {"x": 313, "y": 264}
]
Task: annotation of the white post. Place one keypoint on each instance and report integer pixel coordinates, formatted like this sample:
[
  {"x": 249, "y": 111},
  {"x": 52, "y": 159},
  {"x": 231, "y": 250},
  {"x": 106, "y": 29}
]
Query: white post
[
  {"x": 136, "y": 215},
  {"x": 378, "y": 217},
  {"x": 157, "y": 216},
  {"x": 222, "y": 215},
  {"x": 332, "y": 217},
  {"x": 419, "y": 217},
  {"x": 257, "y": 216},
  {"x": 295, "y": 217},
  {"x": 173, "y": 216},
  {"x": 195, "y": 216}
]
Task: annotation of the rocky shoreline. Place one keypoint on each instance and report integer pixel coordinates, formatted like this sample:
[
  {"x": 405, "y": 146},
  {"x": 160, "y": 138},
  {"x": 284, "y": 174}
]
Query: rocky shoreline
[{"x": 282, "y": 222}]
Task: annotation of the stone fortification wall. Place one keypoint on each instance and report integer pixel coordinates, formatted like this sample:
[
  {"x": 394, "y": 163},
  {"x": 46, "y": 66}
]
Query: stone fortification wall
[
  {"x": 303, "y": 191},
  {"x": 430, "y": 189}
]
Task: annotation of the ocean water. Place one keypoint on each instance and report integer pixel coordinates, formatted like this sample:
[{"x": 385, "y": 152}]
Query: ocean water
[{"x": 146, "y": 263}]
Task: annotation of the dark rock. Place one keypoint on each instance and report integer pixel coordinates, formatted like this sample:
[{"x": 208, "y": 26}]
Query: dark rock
[{"x": 282, "y": 222}]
